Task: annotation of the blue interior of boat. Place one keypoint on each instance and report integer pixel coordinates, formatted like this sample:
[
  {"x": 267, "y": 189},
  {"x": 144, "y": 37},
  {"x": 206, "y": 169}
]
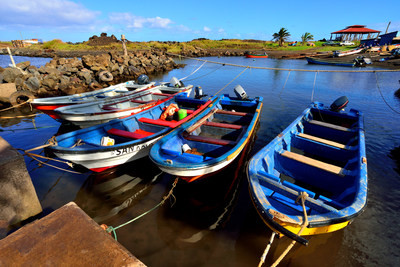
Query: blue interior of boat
[{"x": 318, "y": 155}]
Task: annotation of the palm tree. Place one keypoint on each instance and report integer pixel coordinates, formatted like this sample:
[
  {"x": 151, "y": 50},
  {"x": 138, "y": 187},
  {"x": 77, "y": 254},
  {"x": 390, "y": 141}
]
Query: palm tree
[
  {"x": 281, "y": 36},
  {"x": 306, "y": 37}
]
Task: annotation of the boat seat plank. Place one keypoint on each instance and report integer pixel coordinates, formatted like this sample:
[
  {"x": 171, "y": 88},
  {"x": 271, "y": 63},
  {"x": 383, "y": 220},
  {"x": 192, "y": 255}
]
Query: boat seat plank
[
  {"x": 293, "y": 194},
  {"x": 171, "y": 124},
  {"x": 323, "y": 141},
  {"x": 107, "y": 107},
  {"x": 329, "y": 125},
  {"x": 298, "y": 188},
  {"x": 210, "y": 140},
  {"x": 162, "y": 94},
  {"x": 223, "y": 125},
  {"x": 141, "y": 101},
  {"x": 313, "y": 162},
  {"x": 331, "y": 202},
  {"x": 227, "y": 112},
  {"x": 138, "y": 134}
]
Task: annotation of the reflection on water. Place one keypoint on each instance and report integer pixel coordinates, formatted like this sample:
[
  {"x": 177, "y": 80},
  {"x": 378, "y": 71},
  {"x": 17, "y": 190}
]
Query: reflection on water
[
  {"x": 104, "y": 195},
  {"x": 212, "y": 222}
]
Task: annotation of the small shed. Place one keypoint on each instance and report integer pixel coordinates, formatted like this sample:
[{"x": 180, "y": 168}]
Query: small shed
[{"x": 354, "y": 33}]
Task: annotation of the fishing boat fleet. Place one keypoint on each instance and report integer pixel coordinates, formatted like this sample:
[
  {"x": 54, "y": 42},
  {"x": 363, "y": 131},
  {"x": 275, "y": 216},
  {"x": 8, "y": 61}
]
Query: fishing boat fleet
[{"x": 320, "y": 157}]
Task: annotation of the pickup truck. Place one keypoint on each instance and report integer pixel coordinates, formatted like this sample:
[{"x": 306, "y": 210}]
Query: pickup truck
[{"x": 346, "y": 43}]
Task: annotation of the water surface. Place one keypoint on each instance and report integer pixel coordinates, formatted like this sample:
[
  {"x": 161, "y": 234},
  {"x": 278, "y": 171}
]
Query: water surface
[{"x": 213, "y": 222}]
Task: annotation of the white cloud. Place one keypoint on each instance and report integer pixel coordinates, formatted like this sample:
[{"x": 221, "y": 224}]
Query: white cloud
[
  {"x": 206, "y": 29},
  {"x": 53, "y": 13},
  {"x": 137, "y": 22},
  {"x": 221, "y": 30}
]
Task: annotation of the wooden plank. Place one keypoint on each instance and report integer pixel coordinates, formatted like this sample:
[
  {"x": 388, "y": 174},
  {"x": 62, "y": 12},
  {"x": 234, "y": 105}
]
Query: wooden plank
[
  {"x": 227, "y": 112},
  {"x": 329, "y": 125},
  {"x": 200, "y": 122},
  {"x": 223, "y": 125},
  {"x": 323, "y": 141},
  {"x": 210, "y": 140},
  {"x": 313, "y": 162}
]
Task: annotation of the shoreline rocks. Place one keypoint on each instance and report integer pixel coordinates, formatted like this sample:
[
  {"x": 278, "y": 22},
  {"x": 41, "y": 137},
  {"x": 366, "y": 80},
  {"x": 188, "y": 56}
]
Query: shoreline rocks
[{"x": 71, "y": 75}]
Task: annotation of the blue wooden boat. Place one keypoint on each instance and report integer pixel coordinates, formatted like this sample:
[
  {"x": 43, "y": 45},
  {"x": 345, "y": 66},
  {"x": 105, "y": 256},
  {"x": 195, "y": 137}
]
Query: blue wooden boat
[
  {"x": 122, "y": 140},
  {"x": 313, "y": 60},
  {"x": 209, "y": 142},
  {"x": 321, "y": 153}
]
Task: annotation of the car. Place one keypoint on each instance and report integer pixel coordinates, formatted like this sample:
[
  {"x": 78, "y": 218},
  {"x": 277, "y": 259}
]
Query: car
[
  {"x": 330, "y": 43},
  {"x": 346, "y": 43}
]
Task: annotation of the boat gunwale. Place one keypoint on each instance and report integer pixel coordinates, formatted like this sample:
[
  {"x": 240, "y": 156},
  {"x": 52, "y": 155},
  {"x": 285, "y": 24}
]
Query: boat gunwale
[
  {"x": 235, "y": 150},
  {"x": 318, "y": 220},
  {"x": 101, "y": 149}
]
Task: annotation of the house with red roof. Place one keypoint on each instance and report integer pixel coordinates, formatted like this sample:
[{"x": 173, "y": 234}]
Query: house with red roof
[{"x": 355, "y": 33}]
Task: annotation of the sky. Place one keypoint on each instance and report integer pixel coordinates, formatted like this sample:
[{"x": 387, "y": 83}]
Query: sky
[{"x": 162, "y": 20}]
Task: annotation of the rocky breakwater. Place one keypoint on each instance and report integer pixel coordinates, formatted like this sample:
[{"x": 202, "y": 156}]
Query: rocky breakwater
[{"x": 64, "y": 76}]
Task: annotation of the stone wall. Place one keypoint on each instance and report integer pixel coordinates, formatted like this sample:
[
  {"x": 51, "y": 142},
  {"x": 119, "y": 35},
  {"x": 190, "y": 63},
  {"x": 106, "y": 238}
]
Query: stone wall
[{"x": 64, "y": 76}]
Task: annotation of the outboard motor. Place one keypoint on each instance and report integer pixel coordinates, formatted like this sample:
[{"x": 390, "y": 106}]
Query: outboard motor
[
  {"x": 336, "y": 53},
  {"x": 198, "y": 92},
  {"x": 367, "y": 60},
  {"x": 339, "y": 103},
  {"x": 175, "y": 82},
  {"x": 143, "y": 79},
  {"x": 240, "y": 93}
]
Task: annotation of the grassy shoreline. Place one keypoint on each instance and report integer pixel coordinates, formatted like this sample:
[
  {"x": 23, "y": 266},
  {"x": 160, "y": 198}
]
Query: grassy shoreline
[{"x": 180, "y": 47}]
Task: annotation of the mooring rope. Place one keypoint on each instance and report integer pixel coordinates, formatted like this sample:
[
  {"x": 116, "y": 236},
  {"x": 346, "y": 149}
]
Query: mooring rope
[
  {"x": 16, "y": 106},
  {"x": 112, "y": 229},
  {"x": 51, "y": 142},
  {"x": 214, "y": 70},
  {"x": 303, "y": 196},
  {"x": 282, "y": 69},
  {"x": 313, "y": 89},
  {"x": 384, "y": 100},
  {"x": 237, "y": 76},
  {"x": 284, "y": 85},
  {"x": 193, "y": 72}
]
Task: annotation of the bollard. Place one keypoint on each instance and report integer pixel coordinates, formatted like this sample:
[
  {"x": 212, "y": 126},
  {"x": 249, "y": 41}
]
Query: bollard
[{"x": 18, "y": 199}]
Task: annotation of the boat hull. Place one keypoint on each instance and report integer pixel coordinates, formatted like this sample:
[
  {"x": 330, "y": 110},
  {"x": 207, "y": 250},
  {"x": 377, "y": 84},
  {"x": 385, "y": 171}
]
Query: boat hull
[
  {"x": 90, "y": 114},
  {"x": 322, "y": 153},
  {"x": 209, "y": 150},
  {"x": 48, "y": 104},
  {"x": 312, "y": 60},
  {"x": 130, "y": 138},
  {"x": 256, "y": 56}
]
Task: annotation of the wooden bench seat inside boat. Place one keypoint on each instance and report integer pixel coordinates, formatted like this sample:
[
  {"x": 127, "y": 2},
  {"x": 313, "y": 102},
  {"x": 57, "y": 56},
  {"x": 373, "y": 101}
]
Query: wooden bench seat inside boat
[
  {"x": 223, "y": 125},
  {"x": 323, "y": 141},
  {"x": 227, "y": 112},
  {"x": 107, "y": 107},
  {"x": 141, "y": 101},
  {"x": 162, "y": 94},
  {"x": 315, "y": 163},
  {"x": 210, "y": 140},
  {"x": 329, "y": 125},
  {"x": 138, "y": 134}
]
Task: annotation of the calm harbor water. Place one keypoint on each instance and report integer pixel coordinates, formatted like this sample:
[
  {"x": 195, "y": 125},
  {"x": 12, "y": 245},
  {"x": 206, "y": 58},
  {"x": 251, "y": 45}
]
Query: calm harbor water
[{"x": 213, "y": 222}]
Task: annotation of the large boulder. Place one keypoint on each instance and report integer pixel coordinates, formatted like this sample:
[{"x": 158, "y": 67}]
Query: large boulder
[
  {"x": 85, "y": 75},
  {"x": 96, "y": 63},
  {"x": 33, "y": 83},
  {"x": 10, "y": 74},
  {"x": 23, "y": 65}
]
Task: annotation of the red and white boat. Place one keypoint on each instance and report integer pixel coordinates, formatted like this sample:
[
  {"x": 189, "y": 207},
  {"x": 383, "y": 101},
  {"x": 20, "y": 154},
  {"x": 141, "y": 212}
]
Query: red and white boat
[
  {"x": 348, "y": 52},
  {"x": 90, "y": 114},
  {"x": 49, "y": 104}
]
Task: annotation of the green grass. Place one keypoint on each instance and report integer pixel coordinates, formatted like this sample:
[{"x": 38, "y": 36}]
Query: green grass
[{"x": 177, "y": 47}]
